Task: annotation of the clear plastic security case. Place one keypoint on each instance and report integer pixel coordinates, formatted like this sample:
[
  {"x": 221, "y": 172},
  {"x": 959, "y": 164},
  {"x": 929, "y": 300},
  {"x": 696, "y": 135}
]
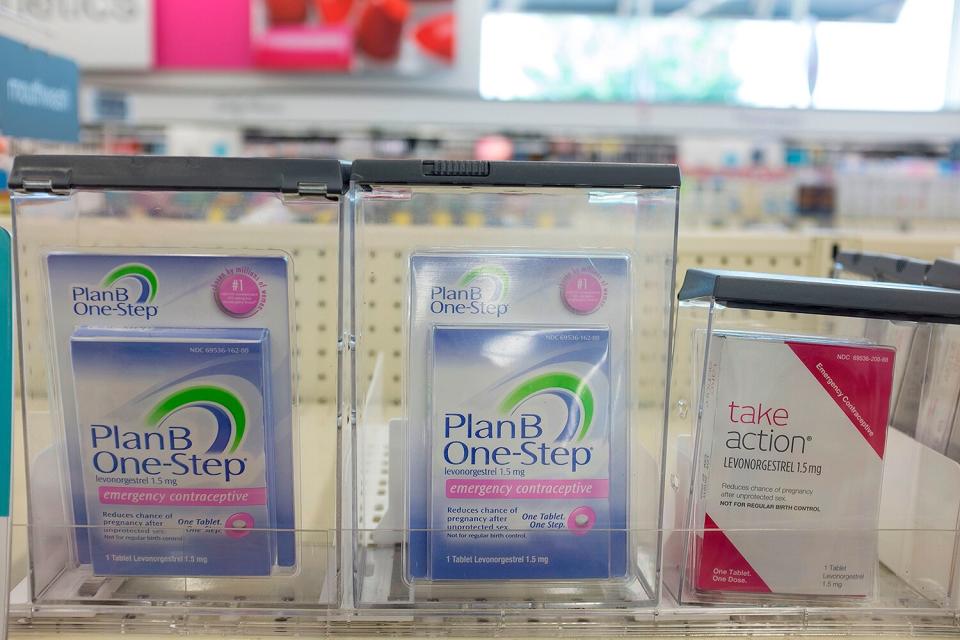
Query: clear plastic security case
[
  {"x": 221, "y": 273},
  {"x": 509, "y": 337},
  {"x": 912, "y": 340},
  {"x": 926, "y": 389},
  {"x": 938, "y": 403},
  {"x": 785, "y": 487}
]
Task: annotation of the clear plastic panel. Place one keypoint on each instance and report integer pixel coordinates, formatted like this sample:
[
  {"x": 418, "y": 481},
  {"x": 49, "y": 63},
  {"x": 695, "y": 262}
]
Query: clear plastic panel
[
  {"x": 912, "y": 341},
  {"x": 311, "y": 585},
  {"x": 841, "y": 513},
  {"x": 180, "y": 227},
  {"x": 535, "y": 236},
  {"x": 297, "y": 603}
]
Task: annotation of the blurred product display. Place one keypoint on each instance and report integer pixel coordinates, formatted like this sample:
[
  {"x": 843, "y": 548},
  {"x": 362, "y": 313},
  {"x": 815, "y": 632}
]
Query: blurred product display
[
  {"x": 483, "y": 317},
  {"x": 287, "y": 11}
]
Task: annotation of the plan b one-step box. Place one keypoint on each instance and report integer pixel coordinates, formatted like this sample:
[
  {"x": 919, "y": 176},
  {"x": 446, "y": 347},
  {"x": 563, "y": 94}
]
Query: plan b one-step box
[
  {"x": 522, "y": 462},
  {"x": 172, "y": 432},
  {"x": 174, "y": 385},
  {"x": 173, "y": 428},
  {"x": 523, "y": 427},
  {"x": 793, "y": 435}
]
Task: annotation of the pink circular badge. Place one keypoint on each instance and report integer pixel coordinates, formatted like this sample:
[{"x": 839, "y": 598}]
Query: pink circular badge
[
  {"x": 239, "y": 525},
  {"x": 239, "y": 295},
  {"x": 583, "y": 292},
  {"x": 581, "y": 520}
]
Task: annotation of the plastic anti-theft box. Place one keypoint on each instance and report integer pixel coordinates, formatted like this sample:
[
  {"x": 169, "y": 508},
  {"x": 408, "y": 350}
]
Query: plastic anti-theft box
[
  {"x": 179, "y": 327},
  {"x": 789, "y": 482},
  {"x": 510, "y": 328}
]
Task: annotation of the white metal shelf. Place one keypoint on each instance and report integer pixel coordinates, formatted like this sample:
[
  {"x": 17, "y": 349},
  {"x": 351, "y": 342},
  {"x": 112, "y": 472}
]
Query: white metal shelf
[{"x": 294, "y": 102}]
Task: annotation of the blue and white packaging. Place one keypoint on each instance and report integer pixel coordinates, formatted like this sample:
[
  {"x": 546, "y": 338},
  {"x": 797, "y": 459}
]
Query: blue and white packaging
[
  {"x": 518, "y": 425},
  {"x": 173, "y": 429},
  {"x": 175, "y": 393}
]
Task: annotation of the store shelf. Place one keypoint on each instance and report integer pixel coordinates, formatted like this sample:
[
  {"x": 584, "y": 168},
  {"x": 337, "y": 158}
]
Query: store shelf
[
  {"x": 292, "y": 102},
  {"x": 798, "y": 253}
]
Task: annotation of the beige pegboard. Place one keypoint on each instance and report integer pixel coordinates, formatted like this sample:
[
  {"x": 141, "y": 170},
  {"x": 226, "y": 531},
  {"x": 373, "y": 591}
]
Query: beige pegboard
[{"x": 777, "y": 252}]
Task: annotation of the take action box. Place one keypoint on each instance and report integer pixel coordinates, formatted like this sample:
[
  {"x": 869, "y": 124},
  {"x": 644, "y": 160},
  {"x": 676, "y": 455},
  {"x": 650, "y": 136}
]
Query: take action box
[{"x": 792, "y": 441}]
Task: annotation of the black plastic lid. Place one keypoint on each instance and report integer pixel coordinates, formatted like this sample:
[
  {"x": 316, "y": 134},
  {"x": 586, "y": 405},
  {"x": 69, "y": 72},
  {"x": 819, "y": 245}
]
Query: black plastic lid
[
  {"x": 516, "y": 173},
  {"x": 944, "y": 273},
  {"x": 884, "y": 267},
  {"x": 827, "y": 296},
  {"x": 163, "y": 173}
]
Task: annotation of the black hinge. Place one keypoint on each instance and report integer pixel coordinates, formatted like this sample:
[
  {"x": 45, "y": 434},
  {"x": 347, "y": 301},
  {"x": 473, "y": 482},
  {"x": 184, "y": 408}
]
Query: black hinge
[
  {"x": 53, "y": 181},
  {"x": 315, "y": 190},
  {"x": 466, "y": 168},
  {"x": 34, "y": 184},
  {"x": 311, "y": 189}
]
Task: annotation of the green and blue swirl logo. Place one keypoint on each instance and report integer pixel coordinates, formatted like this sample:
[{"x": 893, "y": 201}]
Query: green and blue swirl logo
[
  {"x": 141, "y": 273},
  {"x": 225, "y": 407},
  {"x": 570, "y": 389},
  {"x": 494, "y": 274}
]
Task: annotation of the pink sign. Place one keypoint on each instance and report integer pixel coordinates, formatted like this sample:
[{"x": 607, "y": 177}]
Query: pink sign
[
  {"x": 166, "y": 496},
  {"x": 487, "y": 489},
  {"x": 238, "y": 295},
  {"x": 583, "y": 292},
  {"x": 858, "y": 379},
  {"x": 212, "y": 34},
  {"x": 722, "y": 566},
  {"x": 581, "y": 520},
  {"x": 238, "y": 525}
]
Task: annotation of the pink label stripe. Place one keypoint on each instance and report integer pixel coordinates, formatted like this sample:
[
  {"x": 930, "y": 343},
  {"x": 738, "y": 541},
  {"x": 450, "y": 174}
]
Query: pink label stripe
[
  {"x": 186, "y": 497},
  {"x": 858, "y": 379},
  {"x": 722, "y": 567},
  {"x": 526, "y": 489}
]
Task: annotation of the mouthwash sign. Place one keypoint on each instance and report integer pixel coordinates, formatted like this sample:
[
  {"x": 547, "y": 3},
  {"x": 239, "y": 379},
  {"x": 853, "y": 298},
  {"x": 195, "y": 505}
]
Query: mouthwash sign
[{"x": 519, "y": 464}]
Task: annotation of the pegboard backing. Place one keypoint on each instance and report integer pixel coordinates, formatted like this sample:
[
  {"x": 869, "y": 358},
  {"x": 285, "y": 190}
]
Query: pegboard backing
[{"x": 787, "y": 253}]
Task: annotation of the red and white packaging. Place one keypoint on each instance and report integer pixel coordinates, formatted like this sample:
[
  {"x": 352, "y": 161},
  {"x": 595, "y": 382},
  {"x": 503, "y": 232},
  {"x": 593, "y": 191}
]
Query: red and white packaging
[{"x": 791, "y": 445}]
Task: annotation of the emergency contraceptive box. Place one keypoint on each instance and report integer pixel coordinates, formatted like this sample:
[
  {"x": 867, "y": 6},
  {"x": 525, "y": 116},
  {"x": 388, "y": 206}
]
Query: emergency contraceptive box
[
  {"x": 173, "y": 426},
  {"x": 174, "y": 375},
  {"x": 523, "y": 427},
  {"x": 786, "y": 485},
  {"x": 792, "y": 435}
]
